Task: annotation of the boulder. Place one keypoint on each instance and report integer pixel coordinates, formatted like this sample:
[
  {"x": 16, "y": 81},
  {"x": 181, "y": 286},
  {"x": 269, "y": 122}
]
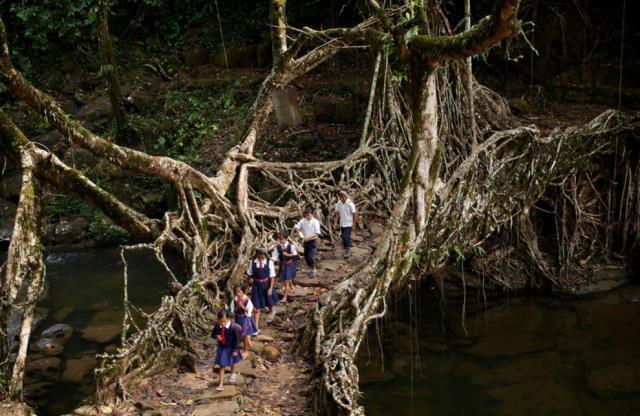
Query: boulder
[
  {"x": 188, "y": 362},
  {"x": 271, "y": 353},
  {"x": 96, "y": 110},
  {"x": 48, "y": 346},
  {"x": 520, "y": 106},
  {"x": 111, "y": 349},
  {"x": 244, "y": 367},
  {"x": 605, "y": 279},
  {"x": 8, "y": 408},
  {"x": 217, "y": 396},
  {"x": 101, "y": 333},
  {"x": 60, "y": 332},
  {"x": 333, "y": 265},
  {"x": 93, "y": 410},
  {"x": 49, "y": 139},
  {"x": 43, "y": 368},
  {"x": 71, "y": 230},
  {"x": 37, "y": 390},
  {"x": 77, "y": 368},
  {"x": 256, "y": 347},
  {"x": 263, "y": 338},
  {"x": 225, "y": 408},
  {"x": 62, "y": 313}
]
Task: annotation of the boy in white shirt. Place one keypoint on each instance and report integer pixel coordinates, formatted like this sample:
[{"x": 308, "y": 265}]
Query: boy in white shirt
[
  {"x": 309, "y": 228},
  {"x": 346, "y": 211}
]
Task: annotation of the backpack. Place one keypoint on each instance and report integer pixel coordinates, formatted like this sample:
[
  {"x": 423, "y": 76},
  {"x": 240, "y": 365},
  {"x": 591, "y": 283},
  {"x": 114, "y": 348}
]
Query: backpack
[{"x": 296, "y": 257}]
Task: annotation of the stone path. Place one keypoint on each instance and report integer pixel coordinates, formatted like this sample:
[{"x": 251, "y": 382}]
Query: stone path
[{"x": 273, "y": 380}]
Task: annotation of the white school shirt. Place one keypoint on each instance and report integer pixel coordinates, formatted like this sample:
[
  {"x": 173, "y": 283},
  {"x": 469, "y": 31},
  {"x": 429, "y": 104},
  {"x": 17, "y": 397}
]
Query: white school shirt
[
  {"x": 249, "y": 307},
  {"x": 272, "y": 270},
  {"x": 346, "y": 211},
  {"x": 275, "y": 255},
  {"x": 308, "y": 228}
]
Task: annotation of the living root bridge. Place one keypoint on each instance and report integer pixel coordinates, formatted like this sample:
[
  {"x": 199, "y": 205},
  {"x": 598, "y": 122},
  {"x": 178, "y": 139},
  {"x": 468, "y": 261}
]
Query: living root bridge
[
  {"x": 441, "y": 192},
  {"x": 479, "y": 202},
  {"x": 208, "y": 225}
]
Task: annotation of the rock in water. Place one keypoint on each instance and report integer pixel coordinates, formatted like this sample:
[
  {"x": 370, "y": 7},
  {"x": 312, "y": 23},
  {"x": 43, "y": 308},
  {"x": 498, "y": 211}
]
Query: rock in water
[
  {"x": 101, "y": 333},
  {"x": 58, "y": 331},
  {"x": 48, "y": 346},
  {"x": 77, "y": 368},
  {"x": 46, "y": 368}
]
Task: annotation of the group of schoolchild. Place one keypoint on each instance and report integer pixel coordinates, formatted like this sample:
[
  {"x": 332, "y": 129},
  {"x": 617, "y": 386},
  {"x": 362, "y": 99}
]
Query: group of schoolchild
[{"x": 261, "y": 273}]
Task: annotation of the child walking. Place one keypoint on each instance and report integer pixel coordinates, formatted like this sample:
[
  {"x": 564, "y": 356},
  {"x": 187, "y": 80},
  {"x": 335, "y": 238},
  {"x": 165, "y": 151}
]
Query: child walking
[
  {"x": 346, "y": 210},
  {"x": 228, "y": 353},
  {"x": 285, "y": 253},
  {"x": 263, "y": 294},
  {"x": 243, "y": 308},
  {"x": 309, "y": 228}
]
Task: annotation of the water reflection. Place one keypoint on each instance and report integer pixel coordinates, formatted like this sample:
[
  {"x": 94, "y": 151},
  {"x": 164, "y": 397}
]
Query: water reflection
[
  {"x": 85, "y": 291},
  {"x": 528, "y": 356}
]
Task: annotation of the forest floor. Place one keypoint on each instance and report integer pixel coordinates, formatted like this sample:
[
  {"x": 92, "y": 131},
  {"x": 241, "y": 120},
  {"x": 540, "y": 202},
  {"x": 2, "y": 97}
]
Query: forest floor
[{"x": 273, "y": 379}]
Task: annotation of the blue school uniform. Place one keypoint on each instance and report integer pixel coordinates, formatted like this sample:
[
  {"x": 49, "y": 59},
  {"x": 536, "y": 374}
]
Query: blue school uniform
[
  {"x": 229, "y": 344},
  {"x": 287, "y": 264},
  {"x": 260, "y": 286},
  {"x": 244, "y": 318}
]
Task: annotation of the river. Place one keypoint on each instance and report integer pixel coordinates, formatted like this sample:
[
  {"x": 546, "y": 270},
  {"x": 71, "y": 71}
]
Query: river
[
  {"x": 85, "y": 291},
  {"x": 521, "y": 356}
]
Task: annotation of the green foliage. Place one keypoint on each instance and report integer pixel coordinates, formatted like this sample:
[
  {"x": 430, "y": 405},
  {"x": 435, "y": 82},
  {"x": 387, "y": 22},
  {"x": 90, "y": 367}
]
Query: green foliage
[
  {"x": 106, "y": 233},
  {"x": 62, "y": 205},
  {"x": 44, "y": 22},
  {"x": 101, "y": 228},
  {"x": 4, "y": 384},
  {"x": 195, "y": 116}
]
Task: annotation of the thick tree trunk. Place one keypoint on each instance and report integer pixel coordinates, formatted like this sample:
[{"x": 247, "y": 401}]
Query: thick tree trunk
[{"x": 24, "y": 265}]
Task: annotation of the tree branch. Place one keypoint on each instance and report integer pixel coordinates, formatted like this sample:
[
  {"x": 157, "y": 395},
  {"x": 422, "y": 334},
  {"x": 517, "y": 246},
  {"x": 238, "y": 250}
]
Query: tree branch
[{"x": 501, "y": 24}]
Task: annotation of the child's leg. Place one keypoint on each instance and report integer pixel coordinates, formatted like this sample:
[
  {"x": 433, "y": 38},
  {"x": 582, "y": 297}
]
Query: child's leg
[
  {"x": 233, "y": 376},
  {"x": 289, "y": 288},
  {"x": 245, "y": 343},
  {"x": 272, "y": 313},
  {"x": 221, "y": 376},
  {"x": 256, "y": 318}
]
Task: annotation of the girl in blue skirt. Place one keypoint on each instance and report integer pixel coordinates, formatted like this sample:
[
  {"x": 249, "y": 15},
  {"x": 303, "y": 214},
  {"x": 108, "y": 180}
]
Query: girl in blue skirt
[
  {"x": 285, "y": 253},
  {"x": 263, "y": 293},
  {"x": 243, "y": 308},
  {"x": 228, "y": 335}
]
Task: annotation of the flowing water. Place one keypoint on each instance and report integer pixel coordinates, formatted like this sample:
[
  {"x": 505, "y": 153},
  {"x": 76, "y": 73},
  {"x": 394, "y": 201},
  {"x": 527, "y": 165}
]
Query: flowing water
[
  {"x": 85, "y": 291},
  {"x": 522, "y": 356}
]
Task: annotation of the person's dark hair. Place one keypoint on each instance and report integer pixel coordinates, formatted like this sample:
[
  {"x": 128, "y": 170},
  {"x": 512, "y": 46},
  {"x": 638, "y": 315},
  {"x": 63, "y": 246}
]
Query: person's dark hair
[
  {"x": 241, "y": 287},
  {"x": 284, "y": 234},
  {"x": 308, "y": 210},
  {"x": 223, "y": 313}
]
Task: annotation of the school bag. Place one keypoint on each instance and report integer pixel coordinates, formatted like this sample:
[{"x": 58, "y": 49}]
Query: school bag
[{"x": 296, "y": 257}]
